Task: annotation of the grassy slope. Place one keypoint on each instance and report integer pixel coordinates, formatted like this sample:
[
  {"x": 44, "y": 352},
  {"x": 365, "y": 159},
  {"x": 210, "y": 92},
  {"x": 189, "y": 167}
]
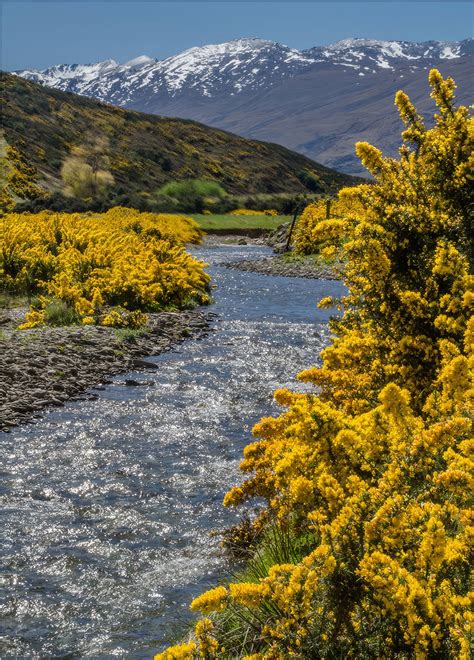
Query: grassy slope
[
  {"x": 230, "y": 222},
  {"x": 146, "y": 150}
]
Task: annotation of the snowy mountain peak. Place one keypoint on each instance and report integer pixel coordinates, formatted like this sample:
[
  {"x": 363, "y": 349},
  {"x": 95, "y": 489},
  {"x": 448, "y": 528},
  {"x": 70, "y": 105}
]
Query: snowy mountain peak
[
  {"x": 61, "y": 75},
  {"x": 231, "y": 67},
  {"x": 250, "y": 47},
  {"x": 244, "y": 43},
  {"x": 359, "y": 42}
]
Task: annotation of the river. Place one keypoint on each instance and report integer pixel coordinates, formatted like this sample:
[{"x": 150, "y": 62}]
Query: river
[{"x": 107, "y": 505}]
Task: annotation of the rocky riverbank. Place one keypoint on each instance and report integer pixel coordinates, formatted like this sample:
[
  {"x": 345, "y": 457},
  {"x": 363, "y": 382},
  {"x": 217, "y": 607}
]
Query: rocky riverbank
[
  {"x": 287, "y": 267},
  {"x": 47, "y": 366},
  {"x": 213, "y": 240}
]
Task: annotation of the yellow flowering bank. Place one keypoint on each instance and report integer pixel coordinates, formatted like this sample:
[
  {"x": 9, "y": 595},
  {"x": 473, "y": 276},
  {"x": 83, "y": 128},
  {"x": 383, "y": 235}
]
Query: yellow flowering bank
[
  {"x": 103, "y": 268},
  {"x": 368, "y": 481},
  {"x": 270, "y": 212}
]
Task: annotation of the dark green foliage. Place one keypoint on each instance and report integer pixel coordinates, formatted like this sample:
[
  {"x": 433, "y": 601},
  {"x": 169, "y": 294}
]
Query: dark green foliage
[
  {"x": 311, "y": 181},
  {"x": 192, "y": 195},
  {"x": 59, "y": 202}
]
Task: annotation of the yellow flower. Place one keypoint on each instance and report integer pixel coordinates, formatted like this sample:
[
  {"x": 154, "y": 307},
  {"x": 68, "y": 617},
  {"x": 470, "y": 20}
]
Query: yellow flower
[
  {"x": 179, "y": 652},
  {"x": 212, "y": 600},
  {"x": 326, "y": 302},
  {"x": 247, "y": 594},
  {"x": 208, "y": 645}
]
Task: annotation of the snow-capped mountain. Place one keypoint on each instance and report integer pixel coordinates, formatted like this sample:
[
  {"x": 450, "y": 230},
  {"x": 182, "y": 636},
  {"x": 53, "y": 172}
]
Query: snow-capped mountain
[
  {"x": 371, "y": 54},
  {"x": 235, "y": 66},
  {"x": 317, "y": 101},
  {"x": 207, "y": 70}
]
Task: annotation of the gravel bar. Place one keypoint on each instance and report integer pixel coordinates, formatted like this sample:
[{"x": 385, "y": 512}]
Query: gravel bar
[
  {"x": 47, "y": 366},
  {"x": 278, "y": 266}
]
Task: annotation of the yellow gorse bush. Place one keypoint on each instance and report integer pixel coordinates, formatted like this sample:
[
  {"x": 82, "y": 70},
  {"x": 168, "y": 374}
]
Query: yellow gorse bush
[
  {"x": 316, "y": 232},
  {"x": 123, "y": 259},
  {"x": 270, "y": 212},
  {"x": 373, "y": 474}
]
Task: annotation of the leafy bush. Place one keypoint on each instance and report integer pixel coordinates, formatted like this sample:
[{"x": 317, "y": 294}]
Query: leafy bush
[
  {"x": 80, "y": 265},
  {"x": 18, "y": 179},
  {"x": 130, "y": 335},
  {"x": 311, "y": 180},
  {"x": 246, "y": 212},
  {"x": 84, "y": 172},
  {"x": 270, "y": 212},
  {"x": 192, "y": 195},
  {"x": 374, "y": 468},
  {"x": 118, "y": 317},
  {"x": 323, "y": 225}
]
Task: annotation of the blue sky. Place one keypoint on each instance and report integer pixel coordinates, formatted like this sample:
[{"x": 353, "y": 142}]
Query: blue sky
[{"x": 40, "y": 34}]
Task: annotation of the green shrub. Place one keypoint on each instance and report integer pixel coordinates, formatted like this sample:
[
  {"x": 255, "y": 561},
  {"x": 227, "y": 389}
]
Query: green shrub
[
  {"x": 192, "y": 195},
  {"x": 57, "y": 313}
]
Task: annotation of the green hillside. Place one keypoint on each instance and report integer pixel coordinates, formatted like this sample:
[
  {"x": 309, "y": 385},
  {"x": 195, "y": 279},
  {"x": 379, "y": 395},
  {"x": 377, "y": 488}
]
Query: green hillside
[{"x": 41, "y": 126}]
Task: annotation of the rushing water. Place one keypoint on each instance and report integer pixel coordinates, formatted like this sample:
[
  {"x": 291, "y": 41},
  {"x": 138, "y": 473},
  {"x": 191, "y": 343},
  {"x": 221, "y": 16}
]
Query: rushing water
[{"x": 107, "y": 505}]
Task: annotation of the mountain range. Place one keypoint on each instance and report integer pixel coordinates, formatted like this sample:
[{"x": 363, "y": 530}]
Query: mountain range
[{"x": 317, "y": 101}]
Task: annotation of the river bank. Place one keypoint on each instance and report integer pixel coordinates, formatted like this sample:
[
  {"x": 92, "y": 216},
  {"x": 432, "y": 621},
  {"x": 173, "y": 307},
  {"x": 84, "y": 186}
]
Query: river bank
[
  {"x": 47, "y": 366},
  {"x": 282, "y": 266},
  {"x": 285, "y": 265},
  {"x": 215, "y": 240}
]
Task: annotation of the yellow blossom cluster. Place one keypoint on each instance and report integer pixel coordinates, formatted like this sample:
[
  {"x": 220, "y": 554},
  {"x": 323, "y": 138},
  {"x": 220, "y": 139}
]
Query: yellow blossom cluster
[
  {"x": 270, "y": 212},
  {"x": 17, "y": 177},
  {"x": 369, "y": 479},
  {"x": 106, "y": 268},
  {"x": 323, "y": 226}
]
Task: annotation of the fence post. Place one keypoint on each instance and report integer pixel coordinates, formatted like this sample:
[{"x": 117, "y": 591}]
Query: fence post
[
  {"x": 295, "y": 215},
  {"x": 328, "y": 209}
]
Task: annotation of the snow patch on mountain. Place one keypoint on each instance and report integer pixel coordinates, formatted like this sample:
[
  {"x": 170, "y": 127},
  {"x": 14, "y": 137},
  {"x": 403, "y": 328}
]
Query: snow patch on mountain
[{"x": 138, "y": 61}]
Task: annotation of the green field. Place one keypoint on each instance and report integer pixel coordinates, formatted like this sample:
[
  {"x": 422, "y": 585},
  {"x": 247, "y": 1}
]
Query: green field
[{"x": 230, "y": 222}]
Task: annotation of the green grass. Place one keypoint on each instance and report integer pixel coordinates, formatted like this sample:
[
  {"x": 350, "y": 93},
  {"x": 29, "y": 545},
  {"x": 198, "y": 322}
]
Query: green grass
[
  {"x": 315, "y": 259},
  {"x": 230, "y": 222},
  {"x": 9, "y": 301},
  {"x": 277, "y": 545},
  {"x": 129, "y": 334},
  {"x": 58, "y": 313}
]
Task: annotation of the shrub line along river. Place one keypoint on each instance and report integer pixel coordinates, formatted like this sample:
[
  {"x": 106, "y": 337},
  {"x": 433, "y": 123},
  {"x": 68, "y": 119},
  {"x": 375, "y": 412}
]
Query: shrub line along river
[{"x": 108, "y": 504}]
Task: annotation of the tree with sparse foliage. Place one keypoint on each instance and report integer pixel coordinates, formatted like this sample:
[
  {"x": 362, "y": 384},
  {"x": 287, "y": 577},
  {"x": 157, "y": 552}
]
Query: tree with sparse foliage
[{"x": 84, "y": 172}]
